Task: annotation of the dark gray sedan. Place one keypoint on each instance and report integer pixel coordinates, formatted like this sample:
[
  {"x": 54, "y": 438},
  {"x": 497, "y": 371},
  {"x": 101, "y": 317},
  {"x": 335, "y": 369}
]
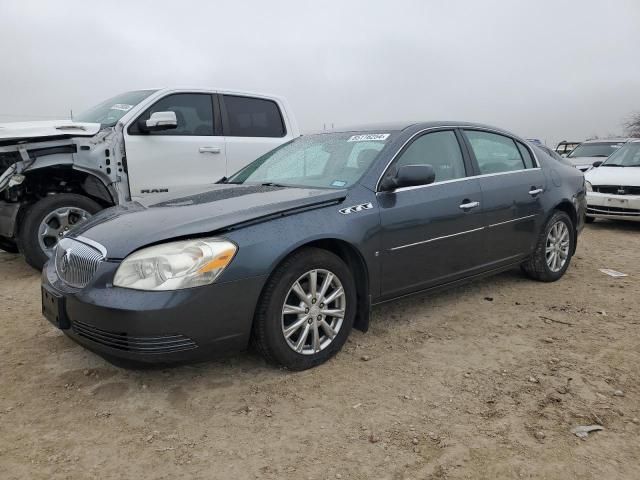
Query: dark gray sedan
[{"x": 291, "y": 252}]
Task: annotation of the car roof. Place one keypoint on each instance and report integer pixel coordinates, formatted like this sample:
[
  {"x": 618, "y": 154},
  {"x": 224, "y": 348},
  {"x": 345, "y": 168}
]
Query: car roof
[
  {"x": 609, "y": 140},
  {"x": 400, "y": 125}
]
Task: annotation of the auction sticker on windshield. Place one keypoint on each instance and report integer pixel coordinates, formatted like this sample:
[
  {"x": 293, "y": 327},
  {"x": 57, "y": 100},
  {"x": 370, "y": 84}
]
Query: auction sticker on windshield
[{"x": 369, "y": 137}]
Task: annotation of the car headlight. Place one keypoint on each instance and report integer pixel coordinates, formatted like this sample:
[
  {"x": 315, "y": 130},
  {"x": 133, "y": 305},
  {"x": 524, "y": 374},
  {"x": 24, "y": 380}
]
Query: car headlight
[
  {"x": 589, "y": 186},
  {"x": 175, "y": 265}
]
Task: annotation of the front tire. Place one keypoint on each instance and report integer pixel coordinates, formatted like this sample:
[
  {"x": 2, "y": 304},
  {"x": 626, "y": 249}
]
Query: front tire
[
  {"x": 589, "y": 219},
  {"x": 48, "y": 220},
  {"x": 554, "y": 249},
  {"x": 306, "y": 311}
]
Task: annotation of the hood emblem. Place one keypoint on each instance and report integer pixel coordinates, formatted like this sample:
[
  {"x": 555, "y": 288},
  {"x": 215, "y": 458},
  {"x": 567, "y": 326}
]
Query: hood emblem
[{"x": 356, "y": 208}]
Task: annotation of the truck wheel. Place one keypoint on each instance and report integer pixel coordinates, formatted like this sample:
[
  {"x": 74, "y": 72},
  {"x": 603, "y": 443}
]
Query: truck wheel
[
  {"x": 8, "y": 246},
  {"x": 48, "y": 220}
]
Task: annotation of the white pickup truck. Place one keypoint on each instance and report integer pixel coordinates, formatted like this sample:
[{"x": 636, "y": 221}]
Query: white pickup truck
[{"x": 54, "y": 175}]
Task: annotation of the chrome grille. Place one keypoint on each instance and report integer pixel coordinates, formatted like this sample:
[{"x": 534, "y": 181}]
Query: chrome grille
[{"x": 76, "y": 262}]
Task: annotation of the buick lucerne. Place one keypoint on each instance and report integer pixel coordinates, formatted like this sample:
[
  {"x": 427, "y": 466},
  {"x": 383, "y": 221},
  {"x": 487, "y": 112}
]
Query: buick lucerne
[{"x": 290, "y": 253}]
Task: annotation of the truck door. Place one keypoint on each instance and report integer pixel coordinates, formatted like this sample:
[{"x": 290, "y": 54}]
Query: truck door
[
  {"x": 191, "y": 155},
  {"x": 252, "y": 126}
]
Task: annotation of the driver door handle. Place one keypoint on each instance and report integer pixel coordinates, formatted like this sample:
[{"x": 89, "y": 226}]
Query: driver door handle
[
  {"x": 469, "y": 205},
  {"x": 209, "y": 149},
  {"x": 535, "y": 191}
]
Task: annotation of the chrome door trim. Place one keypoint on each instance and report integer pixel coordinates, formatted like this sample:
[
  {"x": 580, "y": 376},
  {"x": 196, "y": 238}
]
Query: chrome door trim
[
  {"x": 511, "y": 221},
  {"x": 415, "y": 187},
  {"x": 435, "y": 239},
  {"x": 468, "y": 127}
]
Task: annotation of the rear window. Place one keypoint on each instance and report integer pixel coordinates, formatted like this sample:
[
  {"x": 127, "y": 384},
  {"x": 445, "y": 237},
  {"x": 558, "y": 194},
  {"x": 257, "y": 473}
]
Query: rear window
[
  {"x": 495, "y": 153},
  {"x": 252, "y": 117}
]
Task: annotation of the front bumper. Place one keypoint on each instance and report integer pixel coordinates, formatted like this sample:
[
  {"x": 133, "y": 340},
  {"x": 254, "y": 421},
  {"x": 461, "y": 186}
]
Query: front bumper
[
  {"x": 616, "y": 207},
  {"x": 155, "y": 327}
]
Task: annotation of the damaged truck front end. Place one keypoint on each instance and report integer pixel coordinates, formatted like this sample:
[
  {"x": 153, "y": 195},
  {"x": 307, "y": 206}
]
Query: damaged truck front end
[{"x": 54, "y": 175}]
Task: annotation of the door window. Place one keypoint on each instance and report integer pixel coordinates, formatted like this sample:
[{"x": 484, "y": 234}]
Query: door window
[
  {"x": 495, "y": 153},
  {"x": 194, "y": 113},
  {"x": 526, "y": 155},
  {"x": 252, "y": 117},
  {"x": 441, "y": 150}
]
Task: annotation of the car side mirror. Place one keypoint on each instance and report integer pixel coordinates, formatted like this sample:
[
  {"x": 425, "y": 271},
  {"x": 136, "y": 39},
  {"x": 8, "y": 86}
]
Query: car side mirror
[
  {"x": 597, "y": 163},
  {"x": 159, "y": 121},
  {"x": 409, "y": 176}
]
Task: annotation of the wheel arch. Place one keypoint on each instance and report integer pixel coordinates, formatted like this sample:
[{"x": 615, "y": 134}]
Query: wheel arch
[
  {"x": 569, "y": 208},
  {"x": 354, "y": 259},
  {"x": 70, "y": 179}
]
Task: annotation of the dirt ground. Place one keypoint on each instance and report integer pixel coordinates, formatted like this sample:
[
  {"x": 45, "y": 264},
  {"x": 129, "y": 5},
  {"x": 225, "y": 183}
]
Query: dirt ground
[{"x": 483, "y": 381}]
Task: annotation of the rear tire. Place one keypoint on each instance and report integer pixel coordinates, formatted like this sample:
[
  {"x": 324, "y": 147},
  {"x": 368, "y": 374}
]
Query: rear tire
[
  {"x": 323, "y": 328},
  {"x": 37, "y": 252},
  {"x": 543, "y": 265}
]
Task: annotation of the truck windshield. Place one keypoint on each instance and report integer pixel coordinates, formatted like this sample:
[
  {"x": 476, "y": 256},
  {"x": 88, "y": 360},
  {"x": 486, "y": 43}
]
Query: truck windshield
[
  {"x": 332, "y": 160},
  {"x": 110, "y": 111}
]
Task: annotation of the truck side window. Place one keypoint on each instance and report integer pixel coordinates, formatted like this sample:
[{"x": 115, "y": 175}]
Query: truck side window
[
  {"x": 252, "y": 117},
  {"x": 194, "y": 112}
]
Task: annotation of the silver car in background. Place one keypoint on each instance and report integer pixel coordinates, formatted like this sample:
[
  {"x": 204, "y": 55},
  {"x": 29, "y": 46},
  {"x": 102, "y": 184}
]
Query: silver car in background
[{"x": 585, "y": 154}]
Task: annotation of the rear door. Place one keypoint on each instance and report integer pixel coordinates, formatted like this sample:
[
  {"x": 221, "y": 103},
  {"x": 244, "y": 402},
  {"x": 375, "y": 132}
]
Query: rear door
[
  {"x": 431, "y": 234},
  {"x": 252, "y": 126},
  {"x": 513, "y": 186},
  {"x": 193, "y": 154}
]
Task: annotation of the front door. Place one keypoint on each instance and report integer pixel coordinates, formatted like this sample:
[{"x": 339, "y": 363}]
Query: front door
[
  {"x": 512, "y": 188},
  {"x": 431, "y": 234},
  {"x": 191, "y": 155}
]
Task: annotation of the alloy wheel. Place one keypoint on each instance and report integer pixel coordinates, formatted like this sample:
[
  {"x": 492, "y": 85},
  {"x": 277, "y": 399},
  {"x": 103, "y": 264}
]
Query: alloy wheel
[
  {"x": 313, "y": 311},
  {"x": 56, "y": 224},
  {"x": 557, "y": 247}
]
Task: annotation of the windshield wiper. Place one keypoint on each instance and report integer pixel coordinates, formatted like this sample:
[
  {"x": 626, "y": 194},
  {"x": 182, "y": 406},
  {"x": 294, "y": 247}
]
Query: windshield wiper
[
  {"x": 612, "y": 165},
  {"x": 272, "y": 184},
  {"x": 600, "y": 155}
]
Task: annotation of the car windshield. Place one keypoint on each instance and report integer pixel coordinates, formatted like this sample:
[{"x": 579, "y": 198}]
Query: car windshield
[
  {"x": 110, "y": 111},
  {"x": 595, "y": 149},
  {"x": 332, "y": 160},
  {"x": 627, "y": 156}
]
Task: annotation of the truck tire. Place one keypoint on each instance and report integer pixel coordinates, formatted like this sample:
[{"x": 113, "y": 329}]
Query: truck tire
[{"x": 48, "y": 220}]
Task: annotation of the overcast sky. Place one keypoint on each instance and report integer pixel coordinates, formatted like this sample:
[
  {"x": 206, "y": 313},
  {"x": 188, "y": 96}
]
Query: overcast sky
[{"x": 550, "y": 69}]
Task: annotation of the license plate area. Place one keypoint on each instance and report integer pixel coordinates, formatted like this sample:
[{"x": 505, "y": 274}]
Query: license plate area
[
  {"x": 53, "y": 308},
  {"x": 617, "y": 202}
]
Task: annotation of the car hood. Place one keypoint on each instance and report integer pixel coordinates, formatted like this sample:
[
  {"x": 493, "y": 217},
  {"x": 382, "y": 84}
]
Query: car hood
[
  {"x": 623, "y": 176},
  {"x": 46, "y": 129},
  {"x": 126, "y": 228}
]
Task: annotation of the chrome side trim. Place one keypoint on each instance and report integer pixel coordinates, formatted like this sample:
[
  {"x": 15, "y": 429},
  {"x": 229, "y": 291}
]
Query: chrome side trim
[
  {"x": 468, "y": 127},
  {"x": 435, "y": 239},
  {"x": 511, "y": 221},
  {"x": 404, "y": 189}
]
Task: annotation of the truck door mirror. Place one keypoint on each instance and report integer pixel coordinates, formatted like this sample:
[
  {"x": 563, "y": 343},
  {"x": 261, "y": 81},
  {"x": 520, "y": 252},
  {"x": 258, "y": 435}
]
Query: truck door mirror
[{"x": 159, "y": 121}]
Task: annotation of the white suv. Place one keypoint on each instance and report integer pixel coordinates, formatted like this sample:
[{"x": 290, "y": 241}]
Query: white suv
[{"x": 54, "y": 175}]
